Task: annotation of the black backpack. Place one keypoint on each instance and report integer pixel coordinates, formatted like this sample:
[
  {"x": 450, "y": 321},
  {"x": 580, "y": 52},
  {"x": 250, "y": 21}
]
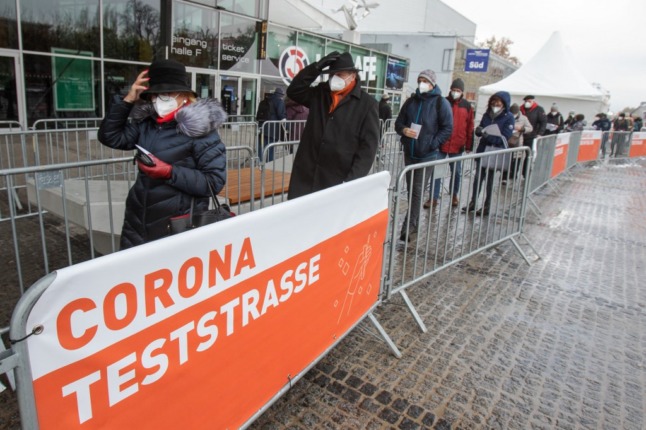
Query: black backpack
[{"x": 265, "y": 110}]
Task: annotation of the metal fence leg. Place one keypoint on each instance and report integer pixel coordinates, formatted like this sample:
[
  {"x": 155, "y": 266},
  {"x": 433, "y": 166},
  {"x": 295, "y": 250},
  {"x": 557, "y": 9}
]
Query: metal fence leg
[
  {"x": 533, "y": 206},
  {"x": 515, "y": 242},
  {"x": 413, "y": 311},
  {"x": 385, "y": 336}
]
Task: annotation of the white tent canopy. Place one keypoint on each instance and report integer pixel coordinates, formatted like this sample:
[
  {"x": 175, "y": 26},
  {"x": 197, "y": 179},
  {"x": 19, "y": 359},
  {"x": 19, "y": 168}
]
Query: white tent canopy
[{"x": 552, "y": 77}]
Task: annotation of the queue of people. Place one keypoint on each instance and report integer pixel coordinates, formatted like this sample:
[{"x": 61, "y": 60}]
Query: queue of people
[{"x": 163, "y": 117}]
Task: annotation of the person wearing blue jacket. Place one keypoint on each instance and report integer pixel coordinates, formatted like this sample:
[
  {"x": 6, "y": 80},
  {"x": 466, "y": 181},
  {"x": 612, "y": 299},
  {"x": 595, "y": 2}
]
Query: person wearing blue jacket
[
  {"x": 497, "y": 113},
  {"x": 428, "y": 109}
]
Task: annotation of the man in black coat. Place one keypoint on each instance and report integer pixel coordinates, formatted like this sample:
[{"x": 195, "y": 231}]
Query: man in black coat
[
  {"x": 341, "y": 134},
  {"x": 537, "y": 118}
]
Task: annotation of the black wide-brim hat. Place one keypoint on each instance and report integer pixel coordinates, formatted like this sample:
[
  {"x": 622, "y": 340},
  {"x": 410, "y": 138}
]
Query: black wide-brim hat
[
  {"x": 344, "y": 62},
  {"x": 166, "y": 76}
]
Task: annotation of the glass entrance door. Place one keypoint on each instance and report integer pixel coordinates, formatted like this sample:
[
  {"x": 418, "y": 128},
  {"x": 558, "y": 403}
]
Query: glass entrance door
[
  {"x": 248, "y": 96},
  {"x": 11, "y": 99},
  {"x": 238, "y": 95}
]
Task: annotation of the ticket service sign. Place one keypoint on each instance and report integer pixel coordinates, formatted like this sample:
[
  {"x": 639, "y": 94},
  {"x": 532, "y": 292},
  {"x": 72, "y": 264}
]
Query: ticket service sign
[{"x": 202, "y": 329}]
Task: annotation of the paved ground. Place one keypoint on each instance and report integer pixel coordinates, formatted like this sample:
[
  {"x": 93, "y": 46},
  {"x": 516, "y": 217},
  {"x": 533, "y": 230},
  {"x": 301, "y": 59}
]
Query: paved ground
[{"x": 557, "y": 345}]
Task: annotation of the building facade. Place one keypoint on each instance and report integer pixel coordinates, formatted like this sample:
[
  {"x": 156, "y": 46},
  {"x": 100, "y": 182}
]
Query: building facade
[{"x": 69, "y": 58}]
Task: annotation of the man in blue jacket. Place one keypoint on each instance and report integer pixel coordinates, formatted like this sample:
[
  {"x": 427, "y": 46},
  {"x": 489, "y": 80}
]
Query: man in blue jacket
[{"x": 425, "y": 122}]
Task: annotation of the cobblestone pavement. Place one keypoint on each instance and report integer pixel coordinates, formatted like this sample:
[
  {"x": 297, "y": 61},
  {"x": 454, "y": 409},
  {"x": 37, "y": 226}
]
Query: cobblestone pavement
[{"x": 559, "y": 344}]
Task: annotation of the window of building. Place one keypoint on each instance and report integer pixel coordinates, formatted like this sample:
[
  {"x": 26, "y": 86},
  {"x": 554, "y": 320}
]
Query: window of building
[
  {"x": 238, "y": 44},
  {"x": 68, "y": 24},
  {"x": 8, "y": 24},
  {"x": 447, "y": 60},
  {"x": 131, "y": 29},
  {"x": 195, "y": 35},
  {"x": 279, "y": 58},
  {"x": 62, "y": 87}
]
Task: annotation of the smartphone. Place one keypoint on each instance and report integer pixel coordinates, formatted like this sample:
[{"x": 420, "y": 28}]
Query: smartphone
[{"x": 144, "y": 156}]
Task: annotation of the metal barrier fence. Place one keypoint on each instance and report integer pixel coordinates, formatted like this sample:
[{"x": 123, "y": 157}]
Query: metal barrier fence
[
  {"x": 443, "y": 235},
  {"x": 66, "y": 123},
  {"x": 84, "y": 199},
  {"x": 431, "y": 239},
  {"x": 21, "y": 149},
  {"x": 10, "y": 125}
]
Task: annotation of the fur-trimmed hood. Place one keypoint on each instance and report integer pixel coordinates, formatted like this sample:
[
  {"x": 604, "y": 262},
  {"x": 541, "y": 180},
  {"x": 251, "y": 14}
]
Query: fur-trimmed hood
[{"x": 194, "y": 120}]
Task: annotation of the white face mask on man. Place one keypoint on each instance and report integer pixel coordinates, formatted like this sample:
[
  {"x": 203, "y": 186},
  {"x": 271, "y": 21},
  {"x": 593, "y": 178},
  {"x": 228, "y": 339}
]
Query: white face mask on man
[
  {"x": 164, "y": 107},
  {"x": 337, "y": 83},
  {"x": 528, "y": 105},
  {"x": 424, "y": 87},
  {"x": 456, "y": 94}
]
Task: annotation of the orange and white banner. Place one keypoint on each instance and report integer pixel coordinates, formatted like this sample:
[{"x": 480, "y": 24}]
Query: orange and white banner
[
  {"x": 560, "y": 154},
  {"x": 589, "y": 146},
  {"x": 638, "y": 144},
  {"x": 203, "y": 329}
]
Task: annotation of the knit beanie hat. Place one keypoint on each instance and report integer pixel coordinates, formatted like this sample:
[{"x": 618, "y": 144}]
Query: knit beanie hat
[
  {"x": 459, "y": 84},
  {"x": 429, "y": 75}
]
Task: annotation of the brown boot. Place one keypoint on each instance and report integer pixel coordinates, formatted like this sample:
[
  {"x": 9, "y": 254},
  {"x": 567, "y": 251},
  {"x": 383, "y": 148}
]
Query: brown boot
[{"x": 455, "y": 202}]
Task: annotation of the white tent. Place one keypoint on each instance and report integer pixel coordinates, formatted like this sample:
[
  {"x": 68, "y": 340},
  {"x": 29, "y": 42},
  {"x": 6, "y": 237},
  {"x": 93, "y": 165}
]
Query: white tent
[{"x": 552, "y": 77}]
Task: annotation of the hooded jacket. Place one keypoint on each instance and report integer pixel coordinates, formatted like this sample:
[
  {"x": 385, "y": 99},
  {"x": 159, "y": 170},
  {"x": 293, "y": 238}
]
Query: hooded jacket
[
  {"x": 336, "y": 146},
  {"x": 462, "y": 135},
  {"x": 190, "y": 143},
  {"x": 504, "y": 120},
  {"x": 437, "y": 123}
]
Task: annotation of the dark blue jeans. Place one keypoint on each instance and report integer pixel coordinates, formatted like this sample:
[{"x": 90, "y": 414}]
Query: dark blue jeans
[{"x": 456, "y": 174}]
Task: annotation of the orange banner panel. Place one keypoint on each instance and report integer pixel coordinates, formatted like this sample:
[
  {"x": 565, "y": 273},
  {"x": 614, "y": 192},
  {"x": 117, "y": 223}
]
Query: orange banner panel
[
  {"x": 560, "y": 159},
  {"x": 638, "y": 145},
  {"x": 215, "y": 364},
  {"x": 589, "y": 147}
]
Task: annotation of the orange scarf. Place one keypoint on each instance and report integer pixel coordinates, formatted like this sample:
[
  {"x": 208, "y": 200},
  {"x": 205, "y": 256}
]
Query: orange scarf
[{"x": 337, "y": 96}]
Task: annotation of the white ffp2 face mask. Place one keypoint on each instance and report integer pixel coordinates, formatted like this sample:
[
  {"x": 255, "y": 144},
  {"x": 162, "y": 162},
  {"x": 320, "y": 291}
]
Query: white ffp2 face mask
[
  {"x": 337, "y": 83},
  {"x": 528, "y": 105},
  {"x": 496, "y": 109},
  {"x": 424, "y": 87},
  {"x": 456, "y": 94},
  {"x": 163, "y": 108}
]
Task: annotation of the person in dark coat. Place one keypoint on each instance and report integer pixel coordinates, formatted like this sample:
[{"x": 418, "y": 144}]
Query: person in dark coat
[
  {"x": 537, "y": 118},
  {"x": 295, "y": 112},
  {"x": 181, "y": 134},
  {"x": 555, "y": 123},
  {"x": 497, "y": 113},
  {"x": 461, "y": 139},
  {"x": 428, "y": 109},
  {"x": 385, "y": 111},
  {"x": 341, "y": 134}
]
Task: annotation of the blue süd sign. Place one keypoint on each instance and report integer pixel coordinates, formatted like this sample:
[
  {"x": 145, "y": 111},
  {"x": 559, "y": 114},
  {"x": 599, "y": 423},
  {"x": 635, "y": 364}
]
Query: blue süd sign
[{"x": 477, "y": 60}]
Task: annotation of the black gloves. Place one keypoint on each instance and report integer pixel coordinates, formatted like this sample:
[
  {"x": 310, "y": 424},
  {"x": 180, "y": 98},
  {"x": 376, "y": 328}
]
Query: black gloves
[
  {"x": 327, "y": 60},
  {"x": 481, "y": 133}
]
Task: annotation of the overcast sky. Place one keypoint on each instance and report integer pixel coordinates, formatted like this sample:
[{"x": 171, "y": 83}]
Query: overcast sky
[{"x": 607, "y": 41}]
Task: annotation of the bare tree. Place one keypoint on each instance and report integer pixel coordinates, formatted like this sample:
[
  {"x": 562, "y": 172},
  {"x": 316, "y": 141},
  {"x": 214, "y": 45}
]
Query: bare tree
[{"x": 501, "y": 48}]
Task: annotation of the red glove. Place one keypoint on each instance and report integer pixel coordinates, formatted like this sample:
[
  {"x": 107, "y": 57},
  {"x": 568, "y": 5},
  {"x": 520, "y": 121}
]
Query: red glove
[{"x": 161, "y": 169}]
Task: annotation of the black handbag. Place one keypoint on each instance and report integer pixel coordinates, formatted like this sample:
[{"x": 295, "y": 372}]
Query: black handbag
[{"x": 193, "y": 219}]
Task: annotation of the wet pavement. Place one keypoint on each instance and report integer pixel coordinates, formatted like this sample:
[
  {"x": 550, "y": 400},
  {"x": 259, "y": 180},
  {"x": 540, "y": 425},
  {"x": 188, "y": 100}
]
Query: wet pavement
[{"x": 560, "y": 344}]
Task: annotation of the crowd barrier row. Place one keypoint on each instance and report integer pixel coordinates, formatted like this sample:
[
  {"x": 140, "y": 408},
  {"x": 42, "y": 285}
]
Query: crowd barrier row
[{"x": 443, "y": 235}]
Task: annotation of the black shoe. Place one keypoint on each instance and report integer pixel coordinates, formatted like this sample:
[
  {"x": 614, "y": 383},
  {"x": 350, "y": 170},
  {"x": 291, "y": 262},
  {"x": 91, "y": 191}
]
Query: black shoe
[
  {"x": 412, "y": 234},
  {"x": 469, "y": 208},
  {"x": 482, "y": 212}
]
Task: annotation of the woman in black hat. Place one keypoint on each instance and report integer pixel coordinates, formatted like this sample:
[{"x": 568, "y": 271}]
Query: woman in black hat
[{"x": 181, "y": 134}]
